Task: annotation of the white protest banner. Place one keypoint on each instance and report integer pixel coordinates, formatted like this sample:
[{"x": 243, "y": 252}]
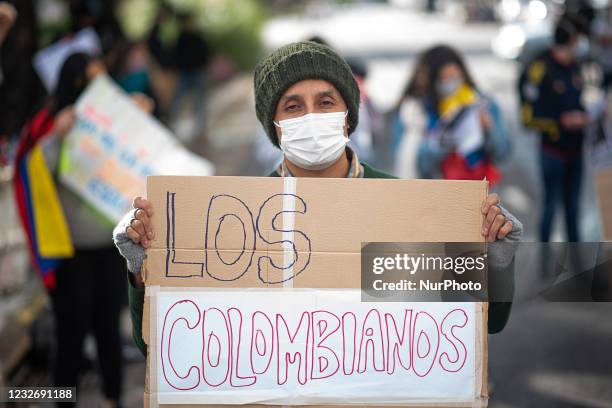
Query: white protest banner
[
  {"x": 48, "y": 61},
  {"x": 311, "y": 346},
  {"x": 114, "y": 146}
]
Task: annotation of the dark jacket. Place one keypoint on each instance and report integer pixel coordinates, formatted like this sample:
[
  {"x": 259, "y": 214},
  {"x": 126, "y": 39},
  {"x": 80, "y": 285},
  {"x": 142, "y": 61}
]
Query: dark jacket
[
  {"x": 547, "y": 90},
  {"x": 192, "y": 52}
]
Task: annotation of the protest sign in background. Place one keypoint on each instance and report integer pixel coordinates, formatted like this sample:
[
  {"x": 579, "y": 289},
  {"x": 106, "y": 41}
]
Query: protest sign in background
[
  {"x": 114, "y": 146},
  {"x": 48, "y": 61}
]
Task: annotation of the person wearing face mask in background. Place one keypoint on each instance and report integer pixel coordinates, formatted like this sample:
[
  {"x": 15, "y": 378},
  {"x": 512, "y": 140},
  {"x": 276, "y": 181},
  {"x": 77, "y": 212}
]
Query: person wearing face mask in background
[
  {"x": 307, "y": 100},
  {"x": 450, "y": 129},
  {"x": 130, "y": 66},
  {"x": 550, "y": 90}
]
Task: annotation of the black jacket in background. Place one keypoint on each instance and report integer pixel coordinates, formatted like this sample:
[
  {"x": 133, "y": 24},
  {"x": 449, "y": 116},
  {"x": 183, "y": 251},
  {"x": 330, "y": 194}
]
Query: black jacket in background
[{"x": 192, "y": 51}]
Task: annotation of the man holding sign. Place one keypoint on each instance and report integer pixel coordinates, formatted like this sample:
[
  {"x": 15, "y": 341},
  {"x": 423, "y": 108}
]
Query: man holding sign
[{"x": 308, "y": 102}]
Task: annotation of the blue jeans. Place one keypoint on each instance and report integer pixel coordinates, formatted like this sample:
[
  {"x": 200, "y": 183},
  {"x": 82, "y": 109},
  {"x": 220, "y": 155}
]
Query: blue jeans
[{"x": 562, "y": 180}]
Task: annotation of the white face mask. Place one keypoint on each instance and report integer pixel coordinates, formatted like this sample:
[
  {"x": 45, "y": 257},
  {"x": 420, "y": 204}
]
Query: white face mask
[
  {"x": 448, "y": 87},
  {"x": 314, "y": 141}
]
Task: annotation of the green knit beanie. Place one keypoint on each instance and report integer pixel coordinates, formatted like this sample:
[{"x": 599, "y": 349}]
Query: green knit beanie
[{"x": 293, "y": 63}]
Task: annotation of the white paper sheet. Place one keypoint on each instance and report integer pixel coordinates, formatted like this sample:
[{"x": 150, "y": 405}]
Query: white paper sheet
[
  {"x": 48, "y": 61},
  {"x": 236, "y": 346}
]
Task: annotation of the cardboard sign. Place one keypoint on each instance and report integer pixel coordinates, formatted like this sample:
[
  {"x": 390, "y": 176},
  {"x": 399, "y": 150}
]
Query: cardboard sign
[
  {"x": 114, "y": 146},
  {"x": 252, "y": 294}
]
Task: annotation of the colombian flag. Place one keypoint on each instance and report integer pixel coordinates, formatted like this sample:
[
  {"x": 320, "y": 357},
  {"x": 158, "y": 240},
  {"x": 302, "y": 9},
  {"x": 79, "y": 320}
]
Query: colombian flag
[
  {"x": 39, "y": 208},
  {"x": 473, "y": 165}
]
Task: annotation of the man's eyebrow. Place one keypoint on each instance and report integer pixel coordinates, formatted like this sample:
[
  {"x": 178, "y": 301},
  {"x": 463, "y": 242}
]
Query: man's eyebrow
[
  {"x": 296, "y": 97},
  {"x": 293, "y": 97},
  {"x": 330, "y": 92}
]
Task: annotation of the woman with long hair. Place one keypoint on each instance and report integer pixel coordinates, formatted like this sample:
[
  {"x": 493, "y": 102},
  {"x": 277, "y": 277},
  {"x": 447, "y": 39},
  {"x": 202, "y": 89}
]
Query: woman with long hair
[{"x": 451, "y": 130}]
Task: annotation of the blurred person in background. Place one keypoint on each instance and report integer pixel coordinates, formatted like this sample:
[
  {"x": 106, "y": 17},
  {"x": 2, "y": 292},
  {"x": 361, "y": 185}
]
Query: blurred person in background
[
  {"x": 85, "y": 291},
  {"x": 602, "y": 47},
  {"x": 20, "y": 89},
  {"x": 191, "y": 56},
  {"x": 130, "y": 66},
  {"x": 407, "y": 139},
  {"x": 99, "y": 15},
  {"x": 452, "y": 130},
  {"x": 430, "y": 6},
  {"x": 581, "y": 14},
  {"x": 371, "y": 124},
  {"x": 8, "y": 15},
  {"x": 550, "y": 90},
  {"x": 161, "y": 52}
]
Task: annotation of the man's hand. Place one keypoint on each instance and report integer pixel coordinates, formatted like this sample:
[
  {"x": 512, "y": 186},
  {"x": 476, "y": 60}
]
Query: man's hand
[
  {"x": 64, "y": 121},
  {"x": 495, "y": 225},
  {"x": 140, "y": 229}
]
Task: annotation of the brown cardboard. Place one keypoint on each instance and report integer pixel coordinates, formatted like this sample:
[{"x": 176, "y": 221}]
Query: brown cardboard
[
  {"x": 336, "y": 216},
  {"x": 603, "y": 181}
]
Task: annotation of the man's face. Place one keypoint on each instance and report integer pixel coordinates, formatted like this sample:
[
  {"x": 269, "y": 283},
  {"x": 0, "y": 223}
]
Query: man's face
[
  {"x": 566, "y": 54},
  {"x": 309, "y": 96}
]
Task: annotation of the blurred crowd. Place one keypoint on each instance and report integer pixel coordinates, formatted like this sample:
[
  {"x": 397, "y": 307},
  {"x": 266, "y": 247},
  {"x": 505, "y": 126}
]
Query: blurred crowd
[
  {"x": 129, "y": 62},
  {"x": 444, "y": 126}
]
